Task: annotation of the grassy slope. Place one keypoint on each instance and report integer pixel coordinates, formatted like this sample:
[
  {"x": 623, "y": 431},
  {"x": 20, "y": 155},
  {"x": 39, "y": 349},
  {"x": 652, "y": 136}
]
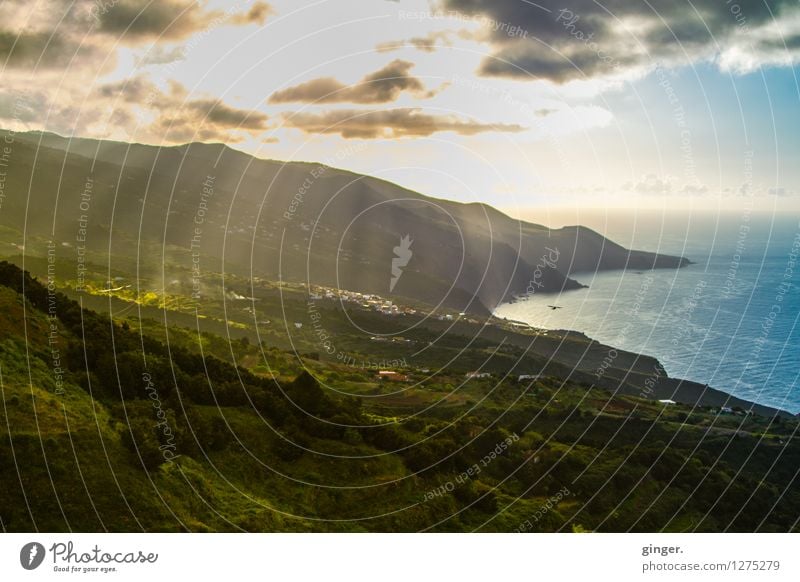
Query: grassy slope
[{"x": 627, "y": 462}]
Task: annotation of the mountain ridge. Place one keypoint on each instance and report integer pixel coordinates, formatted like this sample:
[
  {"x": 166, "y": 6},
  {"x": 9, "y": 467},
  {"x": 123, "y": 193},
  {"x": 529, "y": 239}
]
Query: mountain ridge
[{"x": 303, "y": 221}]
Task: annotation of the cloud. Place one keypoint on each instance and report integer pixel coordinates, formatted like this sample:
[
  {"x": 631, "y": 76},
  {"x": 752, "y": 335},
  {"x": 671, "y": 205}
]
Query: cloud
[
  {"x": 81, "y": 33},
  {"x": 160, "y": 55},
  {"x": 72, "y": 43},
  {"x": 22, "y": 107},
  {"x": 517, "y": 61},
  {"x": 775, "y": 44},
  {"x": 27, "y": 109},
  {"x": 217, "y": 113},
  {"x": 371, "y": 124},
  {"x": 694, "y": 189},
  {"x": 46, "y": 35},
  {"x": 778, "y": 191},
  {"x": 428, "y": 43},
  {"x": 583, "y": 39},
  {"x": 37, "y": 49},
  {"x": 178, "y": 116},
  {"x": 257, "y": 14},
  {"x": 651, "y": 184},
  {"x": 135, "y": 109},
  {"x": 164, "y": 20},
  {"x": 134, "y": 90},
  {"x": 383, "y": 86}
]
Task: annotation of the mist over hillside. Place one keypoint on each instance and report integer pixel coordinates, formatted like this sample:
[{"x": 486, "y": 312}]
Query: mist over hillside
[{"x": 213, "y": 208}]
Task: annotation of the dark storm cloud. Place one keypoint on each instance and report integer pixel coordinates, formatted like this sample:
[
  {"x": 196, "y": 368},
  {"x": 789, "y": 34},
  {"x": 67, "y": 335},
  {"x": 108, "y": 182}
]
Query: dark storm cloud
[
  {"x": 84, "y": 33},
  {"x": 628, "y": 33},
  {"x": 40, "y": 50},
  {"x": 519, "y": 61},
  {"x": 164, "y": 19},
  {"x": 371, "y": 124},
  {"x": 790, "y": 42},
  {"x": 383, "y": 86}
]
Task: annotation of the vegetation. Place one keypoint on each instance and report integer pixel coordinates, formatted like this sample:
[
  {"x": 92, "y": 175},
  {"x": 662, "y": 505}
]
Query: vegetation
[{"x": 164, "y": 428}]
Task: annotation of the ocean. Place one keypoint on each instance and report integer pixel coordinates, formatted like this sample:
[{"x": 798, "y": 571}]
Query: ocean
[{"x": 730, "y": 320}]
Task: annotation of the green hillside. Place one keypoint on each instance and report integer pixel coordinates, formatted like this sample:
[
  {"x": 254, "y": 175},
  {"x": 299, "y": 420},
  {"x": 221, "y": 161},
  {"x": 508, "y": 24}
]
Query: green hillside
[
  {"x": 289, "y": 220},
  {"x": 145, "y": 422}
]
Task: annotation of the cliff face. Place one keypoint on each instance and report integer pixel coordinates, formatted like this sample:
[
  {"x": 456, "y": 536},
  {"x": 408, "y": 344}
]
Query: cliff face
[{"x": 299, "y": 221}]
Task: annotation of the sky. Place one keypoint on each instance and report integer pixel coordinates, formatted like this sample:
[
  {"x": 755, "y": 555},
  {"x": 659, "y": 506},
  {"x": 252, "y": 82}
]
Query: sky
[{"x": 521, "y": 104}]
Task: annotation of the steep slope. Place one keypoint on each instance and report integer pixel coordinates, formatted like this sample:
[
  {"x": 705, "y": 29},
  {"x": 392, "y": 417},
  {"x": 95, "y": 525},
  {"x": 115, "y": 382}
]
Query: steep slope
[
  {"x": 90, "y": 455},
  {"x": 206, "y": 204}
]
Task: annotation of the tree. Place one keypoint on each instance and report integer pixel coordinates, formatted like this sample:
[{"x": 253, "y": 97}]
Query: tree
[{"x": 306, "y": 393}]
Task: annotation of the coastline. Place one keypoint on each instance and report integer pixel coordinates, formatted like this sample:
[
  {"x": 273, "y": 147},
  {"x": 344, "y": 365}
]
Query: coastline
[{"x": 641, "y": 375}]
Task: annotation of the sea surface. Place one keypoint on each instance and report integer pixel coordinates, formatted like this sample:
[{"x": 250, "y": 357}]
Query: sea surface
[{"x": 729, "y": 320}]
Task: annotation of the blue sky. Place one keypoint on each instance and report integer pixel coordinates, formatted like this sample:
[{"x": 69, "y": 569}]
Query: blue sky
[{"x": 727, "y": 116}]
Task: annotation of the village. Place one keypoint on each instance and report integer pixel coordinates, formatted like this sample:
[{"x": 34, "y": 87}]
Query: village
[
  {"x": 369, "y": 301},
  {"x": 374, "y": 302}
]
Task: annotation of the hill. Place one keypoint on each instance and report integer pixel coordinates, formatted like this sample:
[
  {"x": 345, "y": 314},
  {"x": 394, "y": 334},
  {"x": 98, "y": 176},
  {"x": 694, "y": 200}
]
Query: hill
[
  {"x": 130, "y": 425},
  {"x": 226, "y": 211}
]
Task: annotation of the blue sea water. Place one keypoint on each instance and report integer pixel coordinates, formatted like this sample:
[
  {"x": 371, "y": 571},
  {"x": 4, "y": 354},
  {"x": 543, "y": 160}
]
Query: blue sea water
[{"x": 729, "y": 320}]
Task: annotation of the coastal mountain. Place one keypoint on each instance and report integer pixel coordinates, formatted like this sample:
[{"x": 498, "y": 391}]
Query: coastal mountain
[{"x": 214, "y": 209}]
